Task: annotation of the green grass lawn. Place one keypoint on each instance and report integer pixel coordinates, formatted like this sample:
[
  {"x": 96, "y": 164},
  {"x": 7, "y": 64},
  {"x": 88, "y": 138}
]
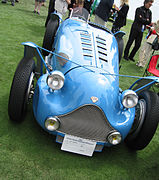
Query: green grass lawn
[{"x": 26, "y": 151}]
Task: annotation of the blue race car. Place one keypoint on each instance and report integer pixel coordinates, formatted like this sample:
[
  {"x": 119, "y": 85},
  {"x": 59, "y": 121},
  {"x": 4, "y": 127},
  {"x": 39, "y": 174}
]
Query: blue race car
[{"x": 75, "y": 88}]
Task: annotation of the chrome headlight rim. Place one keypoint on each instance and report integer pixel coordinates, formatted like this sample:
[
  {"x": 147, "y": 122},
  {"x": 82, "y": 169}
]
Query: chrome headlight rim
[
  {"x": 114, "y": 138},
  {"x": 52, "y": 123},
  {"x": 129, "y": 99},
  {"x": 55, "y": 80}
]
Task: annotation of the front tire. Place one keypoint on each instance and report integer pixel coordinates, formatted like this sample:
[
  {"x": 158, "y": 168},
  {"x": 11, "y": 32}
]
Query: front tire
[
  {"x": 20, "y": 89},
  {"x": 120, "y": 47},
  {"x": 146, "y": 121},
  {"x": 50, "y": 35}
]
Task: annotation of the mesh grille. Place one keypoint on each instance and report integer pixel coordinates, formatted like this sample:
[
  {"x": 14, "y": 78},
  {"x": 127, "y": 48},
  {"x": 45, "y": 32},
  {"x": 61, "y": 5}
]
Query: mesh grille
[{"x": 87, "y": 122}]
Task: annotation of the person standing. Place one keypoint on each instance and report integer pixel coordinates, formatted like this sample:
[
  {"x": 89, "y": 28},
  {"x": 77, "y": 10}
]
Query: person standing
[
  {"x": 143, "y": 17},
  {"x": 71, "y": 6},
  {"x": 87, "y": 4},
  {"x": 38, "y": 4},
  {"x": 61, "y": 7},
  {"x": 147, "y": 47},
  {"x": 120, "y": 20},
  {"x": 102, "y": 11}
]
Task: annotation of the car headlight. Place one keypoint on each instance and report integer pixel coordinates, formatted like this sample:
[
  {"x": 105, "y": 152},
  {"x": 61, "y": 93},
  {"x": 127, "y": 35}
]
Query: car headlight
[
  {"x": 55, "y": 80},
  {"x": 52, "y": 123},
  {"x": 129, "y": 99},
  {"x": 114, "y": 138}
]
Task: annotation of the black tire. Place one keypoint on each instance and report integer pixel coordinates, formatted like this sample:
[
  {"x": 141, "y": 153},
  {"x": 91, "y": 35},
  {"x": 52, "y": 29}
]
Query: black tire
[
  {"x": 145, "y": 123},
  {"x": 19, "y": 89},
  {"x": 120, "y": 47},
  {"x": 49, "y": 35}
]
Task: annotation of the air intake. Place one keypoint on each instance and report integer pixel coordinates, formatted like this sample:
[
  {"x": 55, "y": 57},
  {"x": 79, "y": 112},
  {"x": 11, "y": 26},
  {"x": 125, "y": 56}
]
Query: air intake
[
  {"x": 102, "y": 50},
  {"x": 86, "y": 46}
]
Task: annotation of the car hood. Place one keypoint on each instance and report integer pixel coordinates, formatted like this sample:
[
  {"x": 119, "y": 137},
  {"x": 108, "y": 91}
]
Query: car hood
[
  {"x": 83, "y": 86},
  {"x": 85, "y": 45}
]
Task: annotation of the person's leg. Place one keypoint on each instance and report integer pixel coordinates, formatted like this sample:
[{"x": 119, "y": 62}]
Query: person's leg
[
  {"x": 12, "y": 2},
  {"x": 39, "y": 6},
  {"x": 146, "y": 55},
  {"x": 142, "y": 54},
  {"x": 100, "y": 21},
  {"x": 149, "y": 52},
  {"x": 43, "y": 3},
  {"x": 129, "y": 43},
  {"x": 87, "y": 5},
  {"x": 115, "y": 29},
  {"x": 36, "y": 5},
  {"x": 138, "y": 40}
]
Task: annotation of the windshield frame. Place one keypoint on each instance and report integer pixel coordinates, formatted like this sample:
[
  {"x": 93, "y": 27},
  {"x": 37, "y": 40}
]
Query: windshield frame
[{"x": 80, "y": 14}]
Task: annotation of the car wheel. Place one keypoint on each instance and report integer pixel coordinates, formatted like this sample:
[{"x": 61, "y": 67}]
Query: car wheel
[
  {"x": 120, "y": 47},
  {"x": 20, "y": 89},
  {"x": 49, "y": 35},
  {"x": 146, "y": 121}
]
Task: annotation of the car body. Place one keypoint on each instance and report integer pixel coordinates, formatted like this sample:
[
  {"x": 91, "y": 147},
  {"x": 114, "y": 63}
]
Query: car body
[{"x": 78, "y": 98}]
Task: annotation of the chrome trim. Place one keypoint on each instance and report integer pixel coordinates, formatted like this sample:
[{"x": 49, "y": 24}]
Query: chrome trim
[{"x": 30, "y": 90}]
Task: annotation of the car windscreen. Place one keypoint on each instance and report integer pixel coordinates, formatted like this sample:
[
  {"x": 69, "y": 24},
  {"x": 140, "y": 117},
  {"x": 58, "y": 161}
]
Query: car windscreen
[{"x": 79, "y": 13}]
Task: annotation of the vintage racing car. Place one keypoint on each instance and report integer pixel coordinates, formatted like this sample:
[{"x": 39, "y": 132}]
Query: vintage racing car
[{"x": 74, "y": 83}]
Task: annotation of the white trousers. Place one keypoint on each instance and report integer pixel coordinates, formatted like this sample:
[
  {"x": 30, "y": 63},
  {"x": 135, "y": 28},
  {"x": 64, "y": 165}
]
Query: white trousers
[
  {"x": 144, "y": 54},
  {"x": 100, "y": 21}
]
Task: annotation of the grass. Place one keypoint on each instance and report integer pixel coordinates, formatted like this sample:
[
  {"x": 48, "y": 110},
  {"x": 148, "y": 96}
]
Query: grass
[{"x": 26, "y": 151}]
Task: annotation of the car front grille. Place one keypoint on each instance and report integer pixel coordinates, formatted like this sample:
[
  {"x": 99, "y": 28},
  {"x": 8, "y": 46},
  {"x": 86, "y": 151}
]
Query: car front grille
[{"x": 87, "y": 122}]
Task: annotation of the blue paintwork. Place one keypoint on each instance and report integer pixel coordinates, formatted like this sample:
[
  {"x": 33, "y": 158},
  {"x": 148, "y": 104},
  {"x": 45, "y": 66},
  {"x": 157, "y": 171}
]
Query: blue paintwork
[
  {"x": 91, "y": 70},
  {"x": 84, "y": 81},
  {"x": 85, "y": 76},
  {"x": 68, "y": 41},
  {"x": 75, "y": 93}
]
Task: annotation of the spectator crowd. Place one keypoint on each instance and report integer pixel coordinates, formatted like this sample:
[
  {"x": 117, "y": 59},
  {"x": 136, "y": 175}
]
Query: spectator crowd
[{"x": 106, "y": 9}]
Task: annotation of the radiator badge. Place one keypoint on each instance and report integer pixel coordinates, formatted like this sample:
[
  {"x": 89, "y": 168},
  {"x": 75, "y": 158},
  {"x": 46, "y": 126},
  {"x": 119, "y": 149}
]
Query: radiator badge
[{"x": 94, "y": 99}]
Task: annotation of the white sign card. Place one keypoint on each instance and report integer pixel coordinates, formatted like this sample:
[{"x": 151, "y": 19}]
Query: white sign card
[{"x": 78, "y": 145}]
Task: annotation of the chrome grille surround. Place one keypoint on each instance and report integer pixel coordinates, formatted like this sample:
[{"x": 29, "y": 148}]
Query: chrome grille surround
[{"x": 88, "y": 122}]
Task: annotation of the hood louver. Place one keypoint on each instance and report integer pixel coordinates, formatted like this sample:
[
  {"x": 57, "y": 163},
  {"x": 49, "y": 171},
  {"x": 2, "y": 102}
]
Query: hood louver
[{"x": 88, "y": 50}]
